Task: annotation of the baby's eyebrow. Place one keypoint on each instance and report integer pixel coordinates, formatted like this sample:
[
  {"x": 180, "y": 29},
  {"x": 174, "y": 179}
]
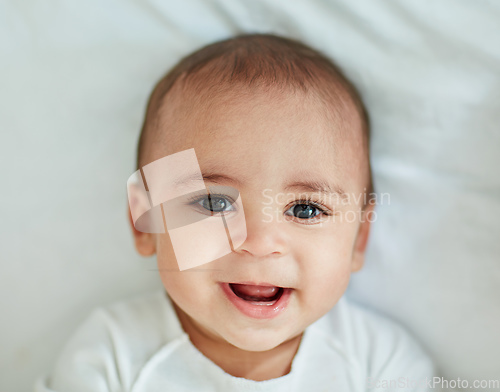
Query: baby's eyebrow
[
  {"x": 317, "y": 186},
  {"x": 209, "y": 177},
  {"x": 309, "y": 185}
]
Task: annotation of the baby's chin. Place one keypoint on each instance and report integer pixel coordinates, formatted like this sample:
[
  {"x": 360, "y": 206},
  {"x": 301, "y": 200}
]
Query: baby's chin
[{"x": 259, "y": 339}]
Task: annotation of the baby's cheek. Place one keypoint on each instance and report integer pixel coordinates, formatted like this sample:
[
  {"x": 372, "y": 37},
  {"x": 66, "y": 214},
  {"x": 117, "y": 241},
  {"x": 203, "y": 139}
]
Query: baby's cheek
[
  {"x": 165, "y": 254},
  {"x": 334, "y": 280},
  {"x": 326, "y": 282},
  {"x": 168, "y": 269}
]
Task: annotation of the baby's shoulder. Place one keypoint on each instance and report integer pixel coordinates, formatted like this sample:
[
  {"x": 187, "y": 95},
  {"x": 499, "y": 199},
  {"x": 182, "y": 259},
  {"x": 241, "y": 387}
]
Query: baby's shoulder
[
  {"x": 354, "y": 322},
  {"x": 112, "y": 343},
  {"x": 146, "y": 316},
  {"x": 378, "y": 346}
]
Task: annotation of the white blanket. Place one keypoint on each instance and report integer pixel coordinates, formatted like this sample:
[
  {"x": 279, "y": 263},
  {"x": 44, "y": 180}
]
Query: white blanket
[{"x": 74, "y": 79}]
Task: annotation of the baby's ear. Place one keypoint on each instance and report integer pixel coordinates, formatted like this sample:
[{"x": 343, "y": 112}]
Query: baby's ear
[
  {"x": 144, "y": 242},
  {"x": 358, "y": 254}
]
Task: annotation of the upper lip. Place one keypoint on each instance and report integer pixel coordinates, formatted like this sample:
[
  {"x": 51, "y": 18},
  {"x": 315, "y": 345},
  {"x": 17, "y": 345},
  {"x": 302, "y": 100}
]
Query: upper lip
[{"x": 258, "y": 284}]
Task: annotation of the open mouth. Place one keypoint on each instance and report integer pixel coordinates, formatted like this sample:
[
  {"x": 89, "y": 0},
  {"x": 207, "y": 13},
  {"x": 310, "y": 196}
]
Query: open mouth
[
  {"x": 261, "y": 301},
  {"x": 254, "y": 293}
]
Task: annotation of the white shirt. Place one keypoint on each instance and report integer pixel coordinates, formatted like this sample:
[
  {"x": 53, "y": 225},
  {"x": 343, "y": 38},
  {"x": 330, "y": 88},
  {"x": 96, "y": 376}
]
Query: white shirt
[{"x": 138, "y": 345}]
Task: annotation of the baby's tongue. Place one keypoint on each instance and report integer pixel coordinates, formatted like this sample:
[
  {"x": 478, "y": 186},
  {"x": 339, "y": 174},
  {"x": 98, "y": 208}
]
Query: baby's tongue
[{"x": 246, "y": 291}]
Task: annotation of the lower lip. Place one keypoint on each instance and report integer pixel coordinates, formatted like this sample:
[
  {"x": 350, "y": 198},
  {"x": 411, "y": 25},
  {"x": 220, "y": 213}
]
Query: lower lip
[{"x": 259, "y": 310}]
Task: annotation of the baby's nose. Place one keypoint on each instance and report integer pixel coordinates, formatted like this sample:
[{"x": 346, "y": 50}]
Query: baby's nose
[{"x": 265, "y": 236}]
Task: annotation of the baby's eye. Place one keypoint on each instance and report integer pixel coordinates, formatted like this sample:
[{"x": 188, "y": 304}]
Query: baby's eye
[
  {"x": 306, "y": 210},
  {"x": 214, "y": 203}
]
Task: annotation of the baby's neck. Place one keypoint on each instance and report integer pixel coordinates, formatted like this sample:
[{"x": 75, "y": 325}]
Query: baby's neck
[{"x": 252, "y": 365}]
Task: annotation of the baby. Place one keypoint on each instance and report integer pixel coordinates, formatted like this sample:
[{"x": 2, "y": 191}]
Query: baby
[{"x": 280, "y": 139}]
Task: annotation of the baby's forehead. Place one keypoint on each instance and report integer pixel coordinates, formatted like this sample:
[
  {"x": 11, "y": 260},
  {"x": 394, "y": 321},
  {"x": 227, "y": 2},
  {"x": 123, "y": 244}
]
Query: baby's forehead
[
  {"x": 234, "y": 121},
  {"x": 237, "y": 122},
  {"x": 188, "y": 101},
  {"x": 195, "y": 106}
]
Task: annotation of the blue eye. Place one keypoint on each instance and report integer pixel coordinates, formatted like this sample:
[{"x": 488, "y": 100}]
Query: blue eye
[
  {"x": 306, "y": 210},
  {"x": 214, "y": 203}
]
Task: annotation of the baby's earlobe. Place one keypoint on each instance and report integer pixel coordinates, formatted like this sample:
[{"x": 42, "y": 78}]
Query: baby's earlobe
[
  {"x": 361, "y": 241},
  {"x": 144, "y": 242}
]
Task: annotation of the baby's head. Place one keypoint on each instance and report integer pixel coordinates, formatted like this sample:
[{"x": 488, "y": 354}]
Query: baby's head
[{"x": 279, "y": 122}]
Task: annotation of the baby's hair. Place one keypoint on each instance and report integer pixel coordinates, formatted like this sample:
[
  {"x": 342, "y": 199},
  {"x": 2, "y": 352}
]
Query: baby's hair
[{"x": 264, "y": 60}]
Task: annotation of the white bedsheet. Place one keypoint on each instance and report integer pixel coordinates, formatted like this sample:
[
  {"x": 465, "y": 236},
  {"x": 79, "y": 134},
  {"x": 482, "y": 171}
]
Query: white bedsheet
[{"x": 74, "y": 78}]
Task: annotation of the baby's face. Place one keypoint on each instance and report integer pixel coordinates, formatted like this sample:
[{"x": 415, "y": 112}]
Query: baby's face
[{"x": 266, "y": 144}]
